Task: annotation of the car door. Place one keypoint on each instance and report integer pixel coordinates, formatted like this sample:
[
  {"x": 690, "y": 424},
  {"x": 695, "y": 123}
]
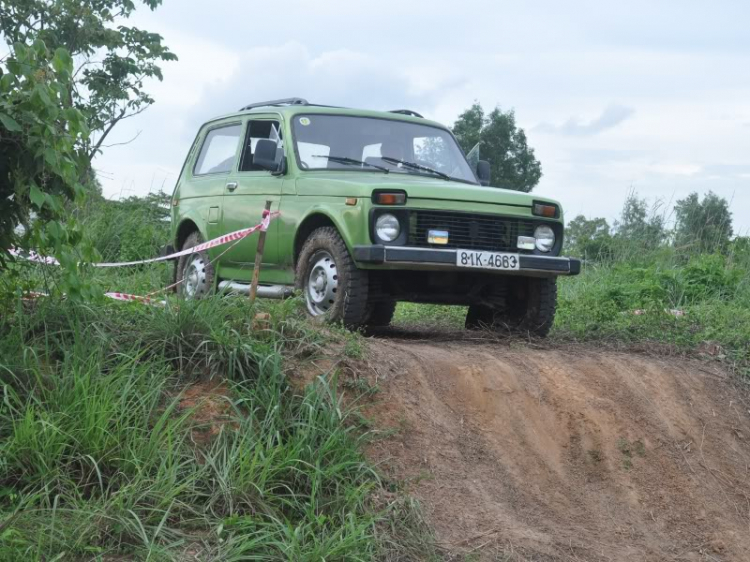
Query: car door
[
  {"x": 202, "y": 192},
  {"x": 245, "y": 195}
]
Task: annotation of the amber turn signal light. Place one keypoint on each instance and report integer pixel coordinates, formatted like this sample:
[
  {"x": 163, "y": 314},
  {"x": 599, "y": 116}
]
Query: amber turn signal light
[
  {"x": 389, "y": 198},
  {"x": 542, "y": 210}
]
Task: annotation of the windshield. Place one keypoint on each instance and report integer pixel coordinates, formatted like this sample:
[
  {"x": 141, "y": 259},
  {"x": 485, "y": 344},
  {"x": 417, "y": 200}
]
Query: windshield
[{"x": 344, "y": 142}]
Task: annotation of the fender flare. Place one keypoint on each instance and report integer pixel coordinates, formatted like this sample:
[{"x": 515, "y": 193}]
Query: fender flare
[
  {"x": 182, "y": 231},
  {"x": 303, "y": 230}
]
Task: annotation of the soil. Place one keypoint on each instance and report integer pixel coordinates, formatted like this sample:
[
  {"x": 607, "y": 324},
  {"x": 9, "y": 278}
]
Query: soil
[
  {"x": 524, "y": 453},
  {"x": 209, "y": 404}
]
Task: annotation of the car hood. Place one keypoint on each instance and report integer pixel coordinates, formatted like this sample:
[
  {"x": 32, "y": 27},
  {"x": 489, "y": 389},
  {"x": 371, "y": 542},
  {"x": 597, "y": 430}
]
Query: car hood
[{"x": 362, "y": 184}]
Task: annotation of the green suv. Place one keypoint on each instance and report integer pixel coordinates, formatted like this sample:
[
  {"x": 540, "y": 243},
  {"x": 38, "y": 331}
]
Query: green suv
[{"x": 375, "y": 208}]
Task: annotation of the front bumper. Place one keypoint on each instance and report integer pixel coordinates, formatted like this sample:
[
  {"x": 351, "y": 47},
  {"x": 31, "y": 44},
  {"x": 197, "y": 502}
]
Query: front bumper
[{"x": 444, "y": 259}]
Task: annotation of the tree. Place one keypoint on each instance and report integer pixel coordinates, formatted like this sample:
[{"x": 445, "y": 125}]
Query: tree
[
  {"x": 589, "y": 238},
  {"x": 635, "y": 224},
  {"x": 39, "y": 135},
  {"x": 112, "y": 61},
  {"x": 73, "y": 72},
  {"x": 703, "y": 226},
  {"x": 512, "y": 161}
]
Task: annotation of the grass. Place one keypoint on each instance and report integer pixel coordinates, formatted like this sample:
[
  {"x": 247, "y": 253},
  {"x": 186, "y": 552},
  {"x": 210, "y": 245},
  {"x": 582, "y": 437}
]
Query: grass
[
  {"x": 429, "y": 316},
  {"x": 599, "y": 305},
  {"x": 712, "y": 291},
  {"x": 100, "y": 457}
]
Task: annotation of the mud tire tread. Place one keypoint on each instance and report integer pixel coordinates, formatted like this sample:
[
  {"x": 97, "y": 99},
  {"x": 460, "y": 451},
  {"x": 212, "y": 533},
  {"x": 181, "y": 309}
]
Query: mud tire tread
[
  {"x": 193, "y": 239},
  {"x": 381, "y": 313},
  {"x": 536, "y": 316},
  {"x": 350, "y": 307}
]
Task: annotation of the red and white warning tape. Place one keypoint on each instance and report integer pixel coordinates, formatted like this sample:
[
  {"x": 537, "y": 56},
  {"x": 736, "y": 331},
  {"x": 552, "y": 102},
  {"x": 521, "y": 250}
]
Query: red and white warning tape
[
  {"x": 235, "y": 236},
  {"x": 220, "y": 241},
  {"x": 33, "y": 256},
  {"x": 134, "y": 298}
]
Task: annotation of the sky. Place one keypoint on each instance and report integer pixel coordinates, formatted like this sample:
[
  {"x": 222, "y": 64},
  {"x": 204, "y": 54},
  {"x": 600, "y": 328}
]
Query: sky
[{"x": 644, "y": 96}]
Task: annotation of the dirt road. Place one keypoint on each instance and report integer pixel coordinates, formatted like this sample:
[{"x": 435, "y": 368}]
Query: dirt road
[{"x": 575, "y": 454}]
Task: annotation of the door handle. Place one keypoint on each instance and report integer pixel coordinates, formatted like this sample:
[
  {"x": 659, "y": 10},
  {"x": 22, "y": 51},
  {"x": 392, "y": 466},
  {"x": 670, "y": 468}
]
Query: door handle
[{"x": 232, "y": 185}]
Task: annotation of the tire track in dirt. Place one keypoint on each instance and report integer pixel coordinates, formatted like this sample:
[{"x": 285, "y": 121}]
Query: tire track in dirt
[{"x": 567, "y": 455}]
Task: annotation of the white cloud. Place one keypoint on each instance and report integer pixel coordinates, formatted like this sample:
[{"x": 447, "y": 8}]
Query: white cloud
[
  {"x": 612, "y": 116},
  {"x": 679, "y": 125}
]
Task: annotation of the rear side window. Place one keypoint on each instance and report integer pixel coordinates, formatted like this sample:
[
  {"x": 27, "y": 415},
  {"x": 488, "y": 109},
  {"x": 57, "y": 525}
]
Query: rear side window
[{"x": 218, "y": 151}]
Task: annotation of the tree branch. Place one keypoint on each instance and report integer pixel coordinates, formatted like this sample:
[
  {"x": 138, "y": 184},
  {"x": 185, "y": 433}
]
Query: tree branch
[
  {"x": 122, "y": 115},
  {"x": 138, "y": 134},
  {"x": 98, "y": 144}
]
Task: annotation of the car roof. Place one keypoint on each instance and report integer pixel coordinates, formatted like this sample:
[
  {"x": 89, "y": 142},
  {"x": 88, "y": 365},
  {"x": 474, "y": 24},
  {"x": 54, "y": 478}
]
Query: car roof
[{"x": 289, "y": 111}]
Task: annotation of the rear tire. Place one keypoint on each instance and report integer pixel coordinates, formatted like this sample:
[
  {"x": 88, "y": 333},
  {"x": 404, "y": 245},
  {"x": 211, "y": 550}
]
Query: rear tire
[
  {"x": 381, "y": 313},
  {"x": 335, "y": 290},
  {"x": 195, "y": 270},
  {"x": 479, "y": 316},
  {"x": 531, "y": 309}
]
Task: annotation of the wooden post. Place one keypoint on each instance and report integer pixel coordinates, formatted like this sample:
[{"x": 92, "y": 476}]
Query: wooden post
[{"x": 259, "y": 257}]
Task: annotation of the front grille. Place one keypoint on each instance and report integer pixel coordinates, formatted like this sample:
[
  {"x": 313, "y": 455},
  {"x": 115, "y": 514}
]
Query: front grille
[{"x": 469, "y": 231}]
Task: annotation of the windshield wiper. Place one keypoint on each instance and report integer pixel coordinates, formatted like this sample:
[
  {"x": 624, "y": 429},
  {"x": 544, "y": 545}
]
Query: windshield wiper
[
  {"x": 351, "y": 161},
  {"x": 415, "y": 166}
]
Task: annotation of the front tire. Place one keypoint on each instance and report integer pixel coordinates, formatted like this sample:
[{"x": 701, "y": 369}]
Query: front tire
[
  {"x": 335, "y": 290},
  {"x": 195, "y": 270},
  {"x": 530, "y": 308}
]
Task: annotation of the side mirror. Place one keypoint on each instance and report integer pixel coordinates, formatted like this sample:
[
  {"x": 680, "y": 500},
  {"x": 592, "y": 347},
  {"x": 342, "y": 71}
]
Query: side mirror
[
  {"x": 483, "y": 172},
  {"x": 264, "y": 156},
  {"x": 280, "y": 168}
]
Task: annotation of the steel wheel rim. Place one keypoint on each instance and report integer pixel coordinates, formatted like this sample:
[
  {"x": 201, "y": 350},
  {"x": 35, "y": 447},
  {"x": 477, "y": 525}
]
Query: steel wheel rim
[
  {"x": 322, "y": 284},
  {"x": 195, "y": 277}
]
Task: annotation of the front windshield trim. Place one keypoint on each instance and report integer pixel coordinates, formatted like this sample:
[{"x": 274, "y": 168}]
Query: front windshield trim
[{"x": 293, "y": 123}]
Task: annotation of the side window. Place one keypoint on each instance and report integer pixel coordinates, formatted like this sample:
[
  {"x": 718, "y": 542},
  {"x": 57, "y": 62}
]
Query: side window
[
  {"x": 260, "y": 130},
  {"x": 218, "y": 151}
]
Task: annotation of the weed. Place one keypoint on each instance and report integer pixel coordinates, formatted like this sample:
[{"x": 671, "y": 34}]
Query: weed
[
  {"x": 361, "y": 386},
  {"x": 99, "y": 458},
  {"x": 595, "y": 455},
  {"x": 639, "y": 447},
  {"x": 628, "y": 449},
  {"x": 354, "y": 346},
  {"x": 623, "y": 445}
]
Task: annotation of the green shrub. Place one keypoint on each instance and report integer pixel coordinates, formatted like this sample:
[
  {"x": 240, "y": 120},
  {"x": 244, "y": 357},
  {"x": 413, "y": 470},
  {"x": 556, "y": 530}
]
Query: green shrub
[{"x": 708, "y": 276}]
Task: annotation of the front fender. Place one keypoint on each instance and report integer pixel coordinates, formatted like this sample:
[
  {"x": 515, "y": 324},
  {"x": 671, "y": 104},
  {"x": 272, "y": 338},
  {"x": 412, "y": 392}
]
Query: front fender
[{"x": 349, "y": 220}]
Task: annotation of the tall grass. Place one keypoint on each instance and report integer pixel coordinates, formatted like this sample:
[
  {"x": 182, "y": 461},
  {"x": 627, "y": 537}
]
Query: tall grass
[
  {"x": 662, "y": 296},
  {"x": 100, "y": 456},
  {"x": 636, "y": 301}
]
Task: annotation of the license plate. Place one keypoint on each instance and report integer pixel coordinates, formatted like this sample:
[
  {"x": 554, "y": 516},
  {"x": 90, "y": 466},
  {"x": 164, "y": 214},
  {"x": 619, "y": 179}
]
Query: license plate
[{"x": 487, "y": 260}]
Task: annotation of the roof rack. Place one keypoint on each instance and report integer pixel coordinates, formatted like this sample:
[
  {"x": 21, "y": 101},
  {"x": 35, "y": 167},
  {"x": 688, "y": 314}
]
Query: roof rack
[
  {"x": 284, "y": 101},
  {"x": 407, "y": 112}
]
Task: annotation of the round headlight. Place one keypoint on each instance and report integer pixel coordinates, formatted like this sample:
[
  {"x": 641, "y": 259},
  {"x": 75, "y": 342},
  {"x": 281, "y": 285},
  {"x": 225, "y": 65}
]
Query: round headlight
[
  {"x": 387, "y": 228},
  {"x": 545, "y": 238}
]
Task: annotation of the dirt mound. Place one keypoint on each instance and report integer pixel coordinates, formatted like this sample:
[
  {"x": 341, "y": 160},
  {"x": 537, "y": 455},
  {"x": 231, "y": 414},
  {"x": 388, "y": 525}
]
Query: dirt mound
[
  {"x": 567, "y": 455},
  {"x": 210, "y": 409}
]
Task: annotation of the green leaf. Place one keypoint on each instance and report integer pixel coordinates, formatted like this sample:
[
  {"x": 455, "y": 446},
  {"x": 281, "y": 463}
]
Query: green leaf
[
  {"x": 50, "y": 156},
  {"x": 9, "y": 123},
  {"x": 37, "y": 196},
  {"x": 62, "y": 59}
]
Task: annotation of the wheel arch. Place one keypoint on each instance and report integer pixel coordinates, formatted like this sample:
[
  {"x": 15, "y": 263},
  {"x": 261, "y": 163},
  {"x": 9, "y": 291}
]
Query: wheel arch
[
  {"x": 186, "y": 227},
  {"x": 316, "y": 219}
]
